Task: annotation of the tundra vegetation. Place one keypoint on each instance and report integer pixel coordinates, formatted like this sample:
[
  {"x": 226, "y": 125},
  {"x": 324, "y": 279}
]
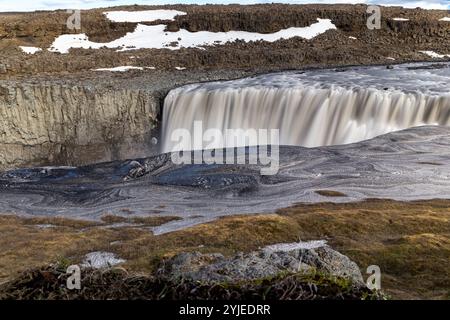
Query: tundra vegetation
[{"x": 410, "y": 241}]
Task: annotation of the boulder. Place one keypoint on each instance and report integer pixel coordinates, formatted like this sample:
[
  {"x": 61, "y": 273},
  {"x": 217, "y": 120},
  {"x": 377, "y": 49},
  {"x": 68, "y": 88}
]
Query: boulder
[{"x": 265, "y": 263}]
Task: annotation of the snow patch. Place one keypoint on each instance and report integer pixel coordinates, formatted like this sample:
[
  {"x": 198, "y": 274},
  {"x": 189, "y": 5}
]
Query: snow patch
[
  {"x": 98, "y": 260},
  {"x": 180, "y": 68},
  {"x": 445, "y": 19},
  {"x": 30, "y": 50},
  {"x": 353, "y": 38},
  {"x": 124, "y": 68},
  {"x": 155, "y": 37},
  {"x": 286, "y": 247},
  {"x": 119, "y": 69},
  {"x": 143, "y": 16},
  {"x": 435, "y": 54},
  {"x": 44, "y": 226},
  {"x": 400, "y": 19}
]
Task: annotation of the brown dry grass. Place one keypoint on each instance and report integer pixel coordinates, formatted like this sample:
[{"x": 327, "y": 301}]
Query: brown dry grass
[
  {"x": 143, "y": 221},
  {"x": 330, "y": 193},
  {"x": 410, "y": 241},
  {"x": 23, "y": 244}
]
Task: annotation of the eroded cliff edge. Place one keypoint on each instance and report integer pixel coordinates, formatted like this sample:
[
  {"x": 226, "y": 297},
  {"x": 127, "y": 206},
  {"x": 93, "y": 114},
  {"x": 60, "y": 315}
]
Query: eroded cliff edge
[
  {"x": 71, "y": 125},
  {"x": 71, "y": 122}
]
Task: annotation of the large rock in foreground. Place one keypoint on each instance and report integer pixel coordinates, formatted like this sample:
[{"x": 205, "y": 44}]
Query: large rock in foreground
[
  {"x": 307, "y": 257},
  {"x": 299, "y": 271}
]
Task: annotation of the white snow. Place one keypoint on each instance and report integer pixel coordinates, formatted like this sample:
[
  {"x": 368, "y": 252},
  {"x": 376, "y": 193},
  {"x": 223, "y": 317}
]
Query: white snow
[
  {"x": 286, "y": 247},
  {"x": 154, "y": 37},
  {"x": 390, "y": 58},
  {"x": 98, "y": 260},
  {"x": 124, "y": 68},
  {"x": 435, "y": 54},
  {"x": 142, "y": 16},
  {"x": 180, "y": 68},
  {"x": 445, "y": 19},
  {"x": 353, "y": 38},
  {"x": 44, "y": 226},
  {"x": 30, "y": 50},
  {"x": 400, "y": 19},
  {"x": 120, "y": 69}
]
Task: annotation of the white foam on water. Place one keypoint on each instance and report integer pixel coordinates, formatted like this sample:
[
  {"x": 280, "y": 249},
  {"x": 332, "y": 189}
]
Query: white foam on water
[{"x": 312, "y": 108}]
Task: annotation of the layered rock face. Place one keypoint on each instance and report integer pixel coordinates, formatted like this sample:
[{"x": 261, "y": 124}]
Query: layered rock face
[{"x": 63, "y": 125}]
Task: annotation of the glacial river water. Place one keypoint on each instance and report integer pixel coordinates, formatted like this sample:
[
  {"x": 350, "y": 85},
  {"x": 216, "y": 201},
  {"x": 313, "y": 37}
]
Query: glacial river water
[
  {"x": 381, "y": 111},
  {"x": 313, "y": 108}
]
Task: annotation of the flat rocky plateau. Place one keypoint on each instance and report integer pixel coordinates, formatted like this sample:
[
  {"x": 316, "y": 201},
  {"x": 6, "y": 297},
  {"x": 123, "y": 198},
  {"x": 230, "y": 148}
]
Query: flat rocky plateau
[{"x": 399, "y": 40}]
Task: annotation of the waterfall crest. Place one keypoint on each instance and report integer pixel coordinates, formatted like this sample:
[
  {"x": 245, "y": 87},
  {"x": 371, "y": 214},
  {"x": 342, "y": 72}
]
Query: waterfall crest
[{"x": 307, "y": 112}]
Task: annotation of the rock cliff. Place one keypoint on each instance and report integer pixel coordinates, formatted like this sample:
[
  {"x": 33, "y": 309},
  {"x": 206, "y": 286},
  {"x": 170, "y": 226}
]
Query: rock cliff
[{"x": 52, "y": 124}]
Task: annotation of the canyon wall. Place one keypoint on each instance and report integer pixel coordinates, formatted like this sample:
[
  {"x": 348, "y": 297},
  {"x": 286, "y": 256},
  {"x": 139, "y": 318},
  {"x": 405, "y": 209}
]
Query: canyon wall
[{"x": 52, "y": 124}]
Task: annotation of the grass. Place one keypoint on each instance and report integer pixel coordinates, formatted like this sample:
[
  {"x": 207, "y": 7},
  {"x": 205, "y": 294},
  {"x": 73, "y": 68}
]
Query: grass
[
  {"x": 410, "y": 241},
  {"x": 144, "y": 221}
]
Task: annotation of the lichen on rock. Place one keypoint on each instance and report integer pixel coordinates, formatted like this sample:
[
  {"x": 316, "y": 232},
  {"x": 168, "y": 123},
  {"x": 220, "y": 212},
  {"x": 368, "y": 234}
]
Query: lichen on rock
[{"x": 261, "y": 264}]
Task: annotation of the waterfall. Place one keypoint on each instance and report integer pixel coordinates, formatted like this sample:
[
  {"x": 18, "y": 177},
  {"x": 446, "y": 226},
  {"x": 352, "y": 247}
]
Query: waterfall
[{"x": 308, "y": 111}]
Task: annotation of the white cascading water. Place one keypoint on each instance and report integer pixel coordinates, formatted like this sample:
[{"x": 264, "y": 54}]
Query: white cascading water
[{"x": 314, "y": 108}]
